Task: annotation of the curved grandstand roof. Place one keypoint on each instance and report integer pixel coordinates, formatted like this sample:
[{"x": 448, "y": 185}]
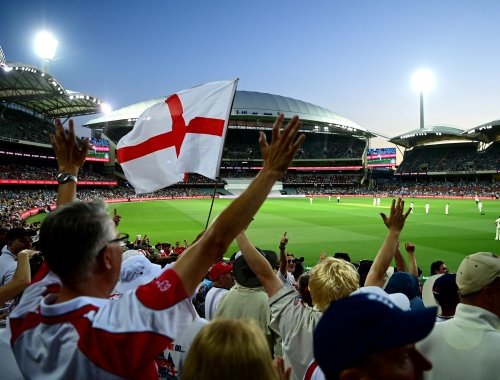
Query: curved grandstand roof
[
  {"x": 28, "y": 86},
  {"x": 488, "y": 132},
  {"x": 251, "y": 109},
  {"x": 429, "y": 134}
]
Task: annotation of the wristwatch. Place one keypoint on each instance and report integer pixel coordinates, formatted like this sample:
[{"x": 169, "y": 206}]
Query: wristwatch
[{"x": 65, "y": 178}]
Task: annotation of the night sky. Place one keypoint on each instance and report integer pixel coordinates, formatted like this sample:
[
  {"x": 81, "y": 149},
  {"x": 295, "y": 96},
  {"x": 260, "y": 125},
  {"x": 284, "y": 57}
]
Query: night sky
[{"x": 354, "y": 57}]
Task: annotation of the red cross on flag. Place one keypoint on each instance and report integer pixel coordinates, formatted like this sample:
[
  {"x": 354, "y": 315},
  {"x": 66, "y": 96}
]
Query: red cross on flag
[{"x": 183, "y": 134}]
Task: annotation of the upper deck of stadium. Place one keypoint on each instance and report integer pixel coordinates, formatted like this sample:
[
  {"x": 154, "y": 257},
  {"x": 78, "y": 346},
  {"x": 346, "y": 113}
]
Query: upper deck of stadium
[{"x": 251, "y": 110}]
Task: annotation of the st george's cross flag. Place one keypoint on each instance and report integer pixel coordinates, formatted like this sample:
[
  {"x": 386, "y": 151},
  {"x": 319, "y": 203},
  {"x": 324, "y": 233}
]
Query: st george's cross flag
[{"x": 183, "y": 134}]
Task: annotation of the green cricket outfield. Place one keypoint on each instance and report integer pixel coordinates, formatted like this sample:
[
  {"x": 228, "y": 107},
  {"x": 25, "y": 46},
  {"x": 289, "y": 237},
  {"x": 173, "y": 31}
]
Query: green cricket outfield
[{"x": 353, "y": 226}]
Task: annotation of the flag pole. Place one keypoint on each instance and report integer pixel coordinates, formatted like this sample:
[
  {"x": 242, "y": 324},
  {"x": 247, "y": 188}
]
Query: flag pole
[
  {"x": 220, "y": 158},
  {"x": 212, "y": 204}
]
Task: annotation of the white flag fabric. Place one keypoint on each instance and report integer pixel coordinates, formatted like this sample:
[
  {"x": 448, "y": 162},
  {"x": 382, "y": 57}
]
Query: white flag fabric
[{"x": 183, "y": 134}]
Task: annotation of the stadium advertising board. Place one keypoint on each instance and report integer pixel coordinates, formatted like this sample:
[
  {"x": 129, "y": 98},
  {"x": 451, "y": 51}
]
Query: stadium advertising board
[
  {"x": 299, "y": 168},
  {"x": 52, "y": 182},
  {"x": 381, "y": 157}
]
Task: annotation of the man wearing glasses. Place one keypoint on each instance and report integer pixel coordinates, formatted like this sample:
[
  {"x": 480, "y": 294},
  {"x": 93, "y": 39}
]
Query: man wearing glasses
[{"x": 65, "y": 325}]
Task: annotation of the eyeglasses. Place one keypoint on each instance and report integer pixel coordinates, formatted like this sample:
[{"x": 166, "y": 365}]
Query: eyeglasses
[
  {"x": 291, "y": 261},
  {"x": 122, "y": 237}
]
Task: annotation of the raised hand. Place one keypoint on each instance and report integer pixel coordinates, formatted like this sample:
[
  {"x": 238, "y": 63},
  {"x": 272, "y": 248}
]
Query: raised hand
[
  {"x": 278, "y": 154},
  {"x": 70, "y": 157},
  {"x": 283, "y": 242},
  {"x": 397, "y": 216},
  {"x": 409, "y": 247}
]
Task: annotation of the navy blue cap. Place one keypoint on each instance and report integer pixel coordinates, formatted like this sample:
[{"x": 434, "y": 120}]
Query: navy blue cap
[
  {"x": 403, "y": 282},
  {"x": 365, "y": 323}
]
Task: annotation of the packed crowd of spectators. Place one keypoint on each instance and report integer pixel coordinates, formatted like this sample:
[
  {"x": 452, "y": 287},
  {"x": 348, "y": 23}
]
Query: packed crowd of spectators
[
  {"x": 14, "y": 202},
  {"x": 259, "y": 315},
  {"x": 441, "y": 188},
  {"x": 23, "y": 171},
  {"x": 42, "y": 172},
  {"x": 291, "y": 178},
  {"x": 451, "y": 158},
  {"x": 242, "y": 144},
  {"x": 411, "y": 189},
  {"x": 299, "y": 178}
]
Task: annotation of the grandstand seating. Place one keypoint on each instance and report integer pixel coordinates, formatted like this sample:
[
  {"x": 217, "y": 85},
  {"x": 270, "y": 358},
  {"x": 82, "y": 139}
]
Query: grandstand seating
[
  {"x": 449, "y": 158},
  {"x": 242, "y": 144},
  {"x": 29, "y": 161},
  {"x": 19, "y": 125}
]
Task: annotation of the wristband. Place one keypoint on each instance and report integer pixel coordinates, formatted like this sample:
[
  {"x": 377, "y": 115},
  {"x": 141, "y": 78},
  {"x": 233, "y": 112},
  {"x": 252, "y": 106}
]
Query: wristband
[
  {"x": 282, "y": 247},
  {"x": 65, "y": 178}
]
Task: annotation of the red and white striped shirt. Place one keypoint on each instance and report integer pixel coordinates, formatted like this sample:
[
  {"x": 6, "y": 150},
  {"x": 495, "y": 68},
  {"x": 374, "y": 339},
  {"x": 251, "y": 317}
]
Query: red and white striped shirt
[{"x": 96, "y": 338}]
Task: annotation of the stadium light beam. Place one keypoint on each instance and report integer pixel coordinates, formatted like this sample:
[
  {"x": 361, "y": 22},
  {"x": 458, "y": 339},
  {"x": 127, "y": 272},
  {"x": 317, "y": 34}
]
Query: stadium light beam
[
  {"x": 45, "y": 48},
  {"x": 423, "y": 80}
]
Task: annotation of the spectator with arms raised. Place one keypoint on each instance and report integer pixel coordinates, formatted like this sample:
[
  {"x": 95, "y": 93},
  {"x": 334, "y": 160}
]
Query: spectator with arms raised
[
  {"x": 330, "y": 280},
  {"x": 78, "y": 332}
]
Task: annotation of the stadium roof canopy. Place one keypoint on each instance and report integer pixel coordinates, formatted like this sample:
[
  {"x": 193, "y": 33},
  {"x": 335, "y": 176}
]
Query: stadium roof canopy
[
  {"x": 251, "y": 110},
  {"x": 428, "y": 135},
  {"x": 488, "y": 132},
  {"x": 28, "y": 86}
]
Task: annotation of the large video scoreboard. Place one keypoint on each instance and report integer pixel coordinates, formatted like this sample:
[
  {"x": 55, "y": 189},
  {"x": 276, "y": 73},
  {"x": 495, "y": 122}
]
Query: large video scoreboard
[
  {"x": 98, "y": 150},
  {"x": 381, "y": 157}
]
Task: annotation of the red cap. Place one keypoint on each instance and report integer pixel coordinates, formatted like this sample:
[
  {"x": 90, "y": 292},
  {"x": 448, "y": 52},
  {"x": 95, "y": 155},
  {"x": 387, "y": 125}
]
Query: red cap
[{"x": 218, "y": 269}]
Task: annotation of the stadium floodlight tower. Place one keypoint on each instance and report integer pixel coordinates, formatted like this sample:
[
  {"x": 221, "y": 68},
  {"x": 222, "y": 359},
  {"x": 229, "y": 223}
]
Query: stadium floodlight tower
[
  {"x": 45, "y": 48},
  {"x": 423, "y": 81}
]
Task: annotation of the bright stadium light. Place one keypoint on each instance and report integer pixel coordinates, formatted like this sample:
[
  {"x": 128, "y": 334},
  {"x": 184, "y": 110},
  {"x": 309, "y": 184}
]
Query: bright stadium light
[
  {"x": 45, "y": 47},
  {"x": 423, "y": 80},
  {"x": 106, "y": 108}
]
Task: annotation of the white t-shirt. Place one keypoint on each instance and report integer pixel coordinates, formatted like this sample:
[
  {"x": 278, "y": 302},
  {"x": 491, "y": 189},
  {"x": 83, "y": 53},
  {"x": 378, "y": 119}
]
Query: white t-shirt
[{"x": 170, "y": 365}]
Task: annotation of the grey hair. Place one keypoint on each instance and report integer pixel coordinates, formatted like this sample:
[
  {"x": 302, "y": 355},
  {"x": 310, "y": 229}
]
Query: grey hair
[{"x": 72, "y": 236}]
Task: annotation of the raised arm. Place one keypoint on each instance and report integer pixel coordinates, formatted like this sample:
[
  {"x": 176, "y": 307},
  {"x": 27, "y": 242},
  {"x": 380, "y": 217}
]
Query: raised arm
[
  {"x": 21, "y": 278},
  {"x": 259, "y": 265},
  {"x": 412, "y": 259},
  {"x": 283, "y": 258},
  {"x": 70, "y": 158},
  {"x": 395, "y": 222},
  {"x": 400, "y": 261},
  {"x": 197, "y": 259}
]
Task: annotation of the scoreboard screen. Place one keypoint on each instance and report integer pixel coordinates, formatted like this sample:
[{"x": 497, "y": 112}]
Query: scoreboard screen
[
  {"x": 381, "y": 157},
  {"x": 98, "y": 150}
]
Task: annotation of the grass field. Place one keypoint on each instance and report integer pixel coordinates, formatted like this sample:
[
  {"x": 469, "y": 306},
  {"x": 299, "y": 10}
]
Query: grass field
[{"x": 352, "y": 226}]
